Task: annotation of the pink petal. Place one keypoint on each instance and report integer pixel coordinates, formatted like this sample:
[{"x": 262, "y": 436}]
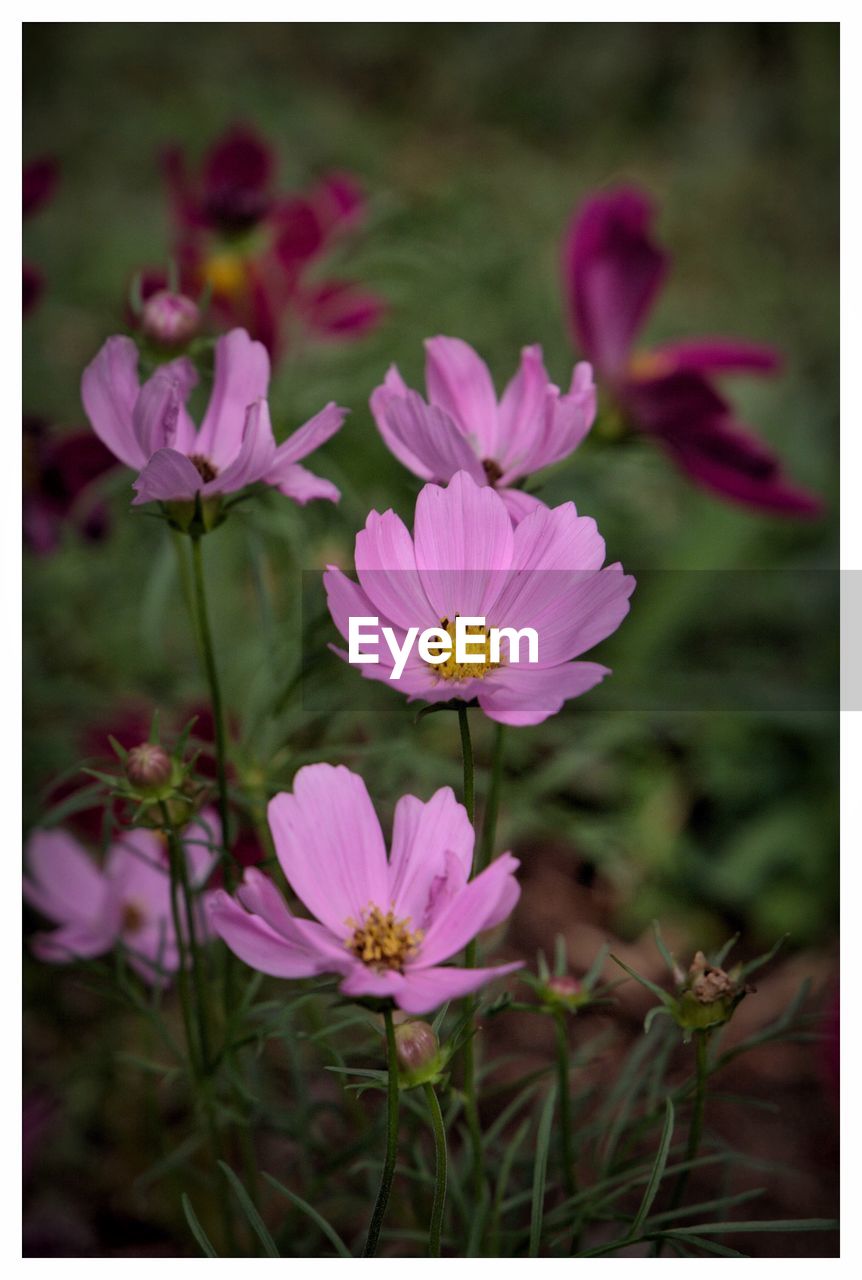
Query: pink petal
[
  {"x": 257, "y": 944},
  {"x": 394, "y": 386},
  {"x": 241, "y": 378},
  {"x": 386, "y": 566},
  {"x": 72, "y": 942},
  {"x": 255, "y": 457},
  {"x": 330, "y": 845},
  {"x": 156, "y": 414},
  {"x": 720, "y": 355},
  {"x": 362, "y": 981},
  {"x": 612, "y": 271},
  {"x": 522, "y": 408},
  {"x": 346, "y": 600},
  {"x": 167, "y": 477},
  {"x": 62, "y": 880},
  {"x": 422, "y": 837},
  {"x": 109, "y": 389},
  {"x": 424, "y": 990},
  {"x": 259, "y": 895},
  {"x": 302, "y": 485},
  {"x": 463, "y": 538},
  {"x": 458, "y": 381},
  {"x": 312, "y": 434},
  {"x": 432, "y": 436},
  {"x": 520, "y": 504},
  {"x": 528, "y": 695},
  {"x": 202, "y": 840},
  {"x": 472, "y": 910}
]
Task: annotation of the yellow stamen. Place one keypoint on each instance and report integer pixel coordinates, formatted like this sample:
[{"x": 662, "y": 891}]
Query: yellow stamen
[
  {"x": 381, "y": 941},
  {"x": 478, "y": 668}
]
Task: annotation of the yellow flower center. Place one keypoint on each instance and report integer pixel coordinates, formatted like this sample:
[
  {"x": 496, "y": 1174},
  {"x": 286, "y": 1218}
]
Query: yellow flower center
[
  {"x": 381, "y": 941},
  {"x": 225, "y": 273},
  {"x": 478, "y": 667},
  {"x": 645, "y": 365}
]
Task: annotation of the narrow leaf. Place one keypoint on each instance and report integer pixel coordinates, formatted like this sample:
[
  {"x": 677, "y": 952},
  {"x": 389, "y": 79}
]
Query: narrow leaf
[
  {"x": 255, "y": 1220},
  {"x": 540, "y": 1170},
  {"x": 197, "y": 1230},
  {"x": 331, "y": 1234},
  {"x": 657, "y": 1170}
]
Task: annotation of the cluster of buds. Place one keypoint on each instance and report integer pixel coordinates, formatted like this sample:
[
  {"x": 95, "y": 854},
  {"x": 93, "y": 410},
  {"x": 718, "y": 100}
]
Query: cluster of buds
[
  {"x": 421, "y": 1058},
  {"x": 159, "y": 786},
  {"x": 706, "y": 994}
]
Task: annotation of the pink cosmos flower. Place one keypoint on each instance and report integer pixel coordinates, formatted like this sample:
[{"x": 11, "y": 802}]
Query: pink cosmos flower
[
  {"x": 462, "y": 427},
  {"x": 612, "y": 273},
  {"x": 126, "y": 902},
  {"x": 385, "y": 926},
  {"x": 149, "y": 428},
  {"x": 465, "y": 558}
]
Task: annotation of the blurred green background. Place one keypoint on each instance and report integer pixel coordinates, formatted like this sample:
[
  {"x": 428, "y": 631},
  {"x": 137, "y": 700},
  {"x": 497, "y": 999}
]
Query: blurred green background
[{"x": 700, "y": 782}]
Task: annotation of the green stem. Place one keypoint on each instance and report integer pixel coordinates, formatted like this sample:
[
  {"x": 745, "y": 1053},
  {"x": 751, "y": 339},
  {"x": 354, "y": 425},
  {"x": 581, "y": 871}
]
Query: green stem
[
  {"x": 485, "y": 848},
  {"x": 467, "y": 753},
  {"x": 695, "y": 1132},
  {"x": 439, "y": 1172},
  {"x": 216, "y": 700},
  {"x": 563, "y": 1076},
  {"x": 391, "y": 1141},
  {"x": 198, "y": 977},
  {"x": 471, "y": 1104},
  {"x": 182, "y": 972}
]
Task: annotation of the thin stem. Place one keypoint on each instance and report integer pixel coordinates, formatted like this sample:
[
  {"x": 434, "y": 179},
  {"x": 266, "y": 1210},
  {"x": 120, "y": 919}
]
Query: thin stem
[
  {"x": 467, "y": 753},
  {"x": 563, "y": 1076},
  {"x": 485, "y": 847},
  {"x": 440, "y": 1170},
  {"x": 198, "y": 977},
  {"x": 216, "y": 700},
  {"x": 391, "y": 1141},
  {"x": 182, "y": 973}
]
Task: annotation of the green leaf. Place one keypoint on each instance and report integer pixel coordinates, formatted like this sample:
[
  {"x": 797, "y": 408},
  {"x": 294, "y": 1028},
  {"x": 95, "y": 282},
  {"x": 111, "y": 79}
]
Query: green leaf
[
  {"x": 778, "y": 1224},
  {"x": 663, "y": 951},
  {"x": 197, "y": 1230},
  {"x": 657, "y": 1171},
  {"x": 255, "y": 1220},
  {"x": 754, "y": 965},
  {"x": 331, "y": 1234},
  {"x": 594, "y": 972},
  {"x": 656, "y": 1011},
  {"x": 708, "y": 1246},
  {"x": 723, "y": 952},
  {"x": 657, "y": 991},
  {"x": 540, "y": 1170}
]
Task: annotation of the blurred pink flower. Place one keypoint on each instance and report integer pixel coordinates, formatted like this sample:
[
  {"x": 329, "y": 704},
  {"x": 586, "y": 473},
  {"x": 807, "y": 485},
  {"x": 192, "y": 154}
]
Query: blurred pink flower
[
  {"x": 462, "y": 427},
  {"x": 612, "y": 273},
  {"x": 252, "y": 247},
  {"x": 126, "y": 902},
  {"x": 149, "y": 428},
  {"x": 464, "y": 558},
  {"x": 385, "y": 925}
]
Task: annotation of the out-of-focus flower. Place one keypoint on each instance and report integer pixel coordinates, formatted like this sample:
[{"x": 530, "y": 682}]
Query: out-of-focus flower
[
  {"x": 126, "y": 902},
  {"x": 465, "y": 559},
  {"x": 59, "y": 485},
  {"x": 38, "y": 186},
  {"x": 149, "y": 428},
  {"x": 253, "y": 248},
  {"x": 386, "y": 926},
  {"x": 613, "y": 272},
  {"x": 462, "y": 427}
]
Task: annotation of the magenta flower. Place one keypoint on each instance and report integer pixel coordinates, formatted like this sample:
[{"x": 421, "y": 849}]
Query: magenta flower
[
  {"x": 256, "y": 250},
  {"x": 149, "y": 428},
  {"x": 60, "y": 489},
  {"x": 385, "y": 926},
  {"x": 466, "y": 559},
  {"x": 462, "y": 427},
  {"x": 613, "y": 272},
  {"x": 127, "y": 902}
]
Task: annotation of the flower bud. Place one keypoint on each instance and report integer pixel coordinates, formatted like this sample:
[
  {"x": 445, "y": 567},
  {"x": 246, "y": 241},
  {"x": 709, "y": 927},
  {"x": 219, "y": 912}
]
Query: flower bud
[
  {"x": 565, "y": 987},
  {"x": 170, "y": 319},
  {"x": 149, "y": 767},
  {"x": 416, "y": 1046}
]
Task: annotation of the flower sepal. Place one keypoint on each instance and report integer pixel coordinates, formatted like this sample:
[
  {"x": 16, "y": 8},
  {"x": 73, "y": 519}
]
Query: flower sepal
[{"x": 160, "y": 785}]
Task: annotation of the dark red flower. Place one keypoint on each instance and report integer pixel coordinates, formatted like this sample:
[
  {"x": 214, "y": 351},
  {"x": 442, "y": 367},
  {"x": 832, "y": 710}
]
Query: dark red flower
[
  {"x": 613, "y": 273},
  {"x": 59, "y": 478},
  {"x": 38, "y": 185}
]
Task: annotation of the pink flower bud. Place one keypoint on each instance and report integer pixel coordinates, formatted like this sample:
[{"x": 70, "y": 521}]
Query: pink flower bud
[
  {"x": 416, "y": 1046},
  {"x": 149, "y": 767},
  {"x": 170, "y": 319},
  {"x": 564, "y": 987}
]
